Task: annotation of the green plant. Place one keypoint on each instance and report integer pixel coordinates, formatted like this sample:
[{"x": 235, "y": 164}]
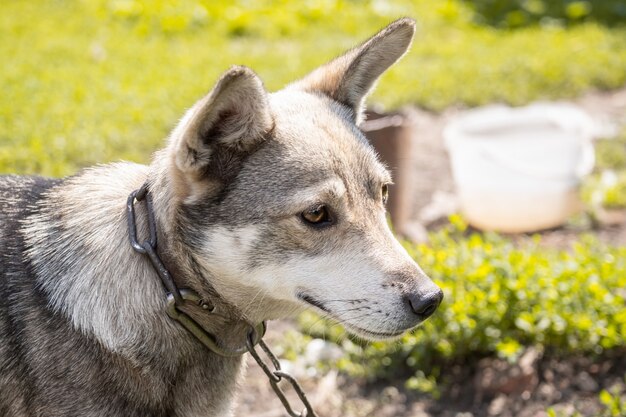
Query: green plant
[
  {"x": 515, "y": 13},
  {"x": 611, "y": 153},
  {"x": 554, "y": 413},
  {"x": 614, "y": 402},
  {"x": 606, "y": 187},
  {"x": 499, "y": 298}
]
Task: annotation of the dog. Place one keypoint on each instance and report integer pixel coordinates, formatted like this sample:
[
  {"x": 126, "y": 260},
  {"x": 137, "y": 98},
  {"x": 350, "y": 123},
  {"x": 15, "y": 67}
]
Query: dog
[{"x": 264, "y": 205}]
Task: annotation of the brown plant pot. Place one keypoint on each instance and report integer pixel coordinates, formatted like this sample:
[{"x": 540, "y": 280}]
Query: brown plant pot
[{"x": 392, "y": 136}]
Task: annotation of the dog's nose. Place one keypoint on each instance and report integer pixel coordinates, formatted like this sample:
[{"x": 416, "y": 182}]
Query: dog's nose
[{"x": 425, "y": 305}]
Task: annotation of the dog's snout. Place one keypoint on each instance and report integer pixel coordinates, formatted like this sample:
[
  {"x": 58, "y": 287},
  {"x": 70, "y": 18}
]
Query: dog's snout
[{"x": 424, "y": 305}]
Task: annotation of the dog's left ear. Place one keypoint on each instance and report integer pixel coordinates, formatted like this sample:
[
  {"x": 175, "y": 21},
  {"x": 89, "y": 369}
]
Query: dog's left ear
[{"x": 349, "y": 78}]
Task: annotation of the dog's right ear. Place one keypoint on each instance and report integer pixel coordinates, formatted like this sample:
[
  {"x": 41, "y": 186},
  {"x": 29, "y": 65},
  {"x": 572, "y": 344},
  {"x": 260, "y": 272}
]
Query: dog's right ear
[{"x": 234, "y": 115}]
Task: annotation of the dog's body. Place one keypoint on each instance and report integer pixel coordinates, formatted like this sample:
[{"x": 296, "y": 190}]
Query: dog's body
[{"x": 264, "y": 204}]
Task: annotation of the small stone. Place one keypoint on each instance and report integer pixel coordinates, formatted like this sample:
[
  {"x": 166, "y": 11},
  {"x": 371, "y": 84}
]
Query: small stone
[
  {"x": 418, "y": 410},
  {"x": 319, "y": 350},
  {"x": 390, "y": 393},
  {"x": 528, "y": 360},
  {"x": 585, "y": 382},
  {"x": 441, "y": 206},
  {"x": 548, "y": 375},
  {"x": 564, "y": 409},
  {"x": 497, "y": 376},
  {"x": 548, "y": 392},
  {"x": 496, "y": 407}
]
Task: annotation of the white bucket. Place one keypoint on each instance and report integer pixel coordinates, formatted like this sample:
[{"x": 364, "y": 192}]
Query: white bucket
[{"x": 519, "y": 169}]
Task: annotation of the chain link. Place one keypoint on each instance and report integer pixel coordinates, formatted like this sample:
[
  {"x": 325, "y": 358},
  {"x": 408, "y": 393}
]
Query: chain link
[
  {"x": 277, "y": 375},
  {"x": 148, "y": 247},
  {"x": 175, "y": 298}
]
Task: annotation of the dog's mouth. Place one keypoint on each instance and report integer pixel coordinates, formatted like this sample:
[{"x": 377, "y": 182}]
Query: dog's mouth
[{"x": 357, "y": 330}]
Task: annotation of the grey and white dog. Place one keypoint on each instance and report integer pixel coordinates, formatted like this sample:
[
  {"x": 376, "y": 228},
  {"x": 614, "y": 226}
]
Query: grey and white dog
[{"x": 265, "y": 204}]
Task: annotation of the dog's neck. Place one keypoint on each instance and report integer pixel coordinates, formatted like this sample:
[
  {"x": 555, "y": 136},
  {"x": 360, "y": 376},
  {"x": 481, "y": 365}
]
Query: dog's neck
[
  {"x": 109, "y": 291},
  {"x": 164, "y": 188},
  {"x": 223, "y": 320}
]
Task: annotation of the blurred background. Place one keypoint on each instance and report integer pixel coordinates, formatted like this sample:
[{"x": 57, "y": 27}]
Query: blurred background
[{"x": 505, "y": 127}]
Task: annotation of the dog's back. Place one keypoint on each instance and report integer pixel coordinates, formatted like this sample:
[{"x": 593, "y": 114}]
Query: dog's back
[
  {"x": 39, "y": 348},
  {"x": 31, "y": 335}
]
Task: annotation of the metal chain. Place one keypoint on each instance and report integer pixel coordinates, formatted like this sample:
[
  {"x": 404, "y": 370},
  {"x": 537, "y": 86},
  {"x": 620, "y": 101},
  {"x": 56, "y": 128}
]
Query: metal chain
[
  {"x": 148, "y": 247},
  {"x": 277, "y": 375},
  {"x": 177, "y": 297}
]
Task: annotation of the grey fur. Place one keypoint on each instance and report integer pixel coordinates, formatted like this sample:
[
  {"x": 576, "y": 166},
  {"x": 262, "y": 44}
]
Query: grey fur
[{"x": 82, "y": 316}]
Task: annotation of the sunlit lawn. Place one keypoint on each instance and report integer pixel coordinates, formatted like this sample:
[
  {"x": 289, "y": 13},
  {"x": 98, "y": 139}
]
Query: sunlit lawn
[{"x": 93, "y": 81}]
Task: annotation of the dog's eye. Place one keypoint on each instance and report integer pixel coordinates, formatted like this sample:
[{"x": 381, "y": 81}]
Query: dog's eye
[
  {"x": 317, "y": 215},
  {"x": 385, "y": 193}
]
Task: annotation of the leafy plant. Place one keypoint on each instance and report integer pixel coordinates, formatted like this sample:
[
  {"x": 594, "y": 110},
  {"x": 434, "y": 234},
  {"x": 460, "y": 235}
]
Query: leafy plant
[
  {"x": 614, "y": 402},
  {"x": 611, "y": 153},
  {"x": 606, "y": 187}
]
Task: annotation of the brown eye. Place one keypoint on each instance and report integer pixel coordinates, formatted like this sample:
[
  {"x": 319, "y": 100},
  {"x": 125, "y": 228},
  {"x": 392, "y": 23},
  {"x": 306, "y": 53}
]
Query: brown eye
[
  {"x": 317, "y": 216},
  {"x": 385, "y": 193}
]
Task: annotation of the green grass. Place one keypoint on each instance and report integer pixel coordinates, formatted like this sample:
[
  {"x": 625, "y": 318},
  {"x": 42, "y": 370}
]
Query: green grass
[{"x": 93, "y": 81}]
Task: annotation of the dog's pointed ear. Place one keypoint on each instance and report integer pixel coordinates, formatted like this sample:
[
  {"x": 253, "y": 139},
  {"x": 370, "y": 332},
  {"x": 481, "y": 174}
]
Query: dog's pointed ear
[
  {"x": 349, "y": 78},
  {"x": 235, "y": 115}
]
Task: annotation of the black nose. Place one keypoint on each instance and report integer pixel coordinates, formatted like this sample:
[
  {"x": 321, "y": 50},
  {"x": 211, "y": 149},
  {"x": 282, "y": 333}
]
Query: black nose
[{"x": 425, "y": 305}]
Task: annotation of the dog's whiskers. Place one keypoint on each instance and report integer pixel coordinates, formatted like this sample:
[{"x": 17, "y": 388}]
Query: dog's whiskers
[
  {"x": 368, "y": 314},
  {"x": 350, "y": 309},
  {"x": 348, "y": 300}
]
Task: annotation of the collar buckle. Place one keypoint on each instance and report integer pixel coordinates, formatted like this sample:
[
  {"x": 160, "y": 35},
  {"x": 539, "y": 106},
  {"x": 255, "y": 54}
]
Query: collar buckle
[{"x": 207, "y": 339}]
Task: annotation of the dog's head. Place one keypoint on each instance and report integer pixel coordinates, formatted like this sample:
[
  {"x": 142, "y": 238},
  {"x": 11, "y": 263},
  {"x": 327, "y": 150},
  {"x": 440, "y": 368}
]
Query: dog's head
[{"x": 282, "y": 199}]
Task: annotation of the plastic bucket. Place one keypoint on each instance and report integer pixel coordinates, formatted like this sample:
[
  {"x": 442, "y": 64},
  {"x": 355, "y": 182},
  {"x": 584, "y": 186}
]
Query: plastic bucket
[{"x": 519, "y": 169}]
